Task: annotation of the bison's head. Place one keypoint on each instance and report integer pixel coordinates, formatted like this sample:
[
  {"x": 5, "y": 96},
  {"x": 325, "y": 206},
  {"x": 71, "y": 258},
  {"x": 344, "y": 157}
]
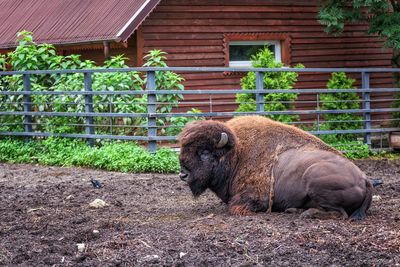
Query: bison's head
[{"x": 207, "y": 149}]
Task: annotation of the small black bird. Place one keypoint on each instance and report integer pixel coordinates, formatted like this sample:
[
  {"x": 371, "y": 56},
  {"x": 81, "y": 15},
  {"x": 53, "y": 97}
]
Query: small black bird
[
  {"x": 96, "y": 183},
  {"x": 376, "y": 182}
]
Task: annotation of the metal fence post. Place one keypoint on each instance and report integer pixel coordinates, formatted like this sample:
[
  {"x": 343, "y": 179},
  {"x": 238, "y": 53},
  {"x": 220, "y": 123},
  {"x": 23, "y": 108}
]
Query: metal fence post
[
  {"x": 27, "y": 104},
  {"x": 151, "y": 109},
  {"x": 89, "y": 106},
  {"x": 365, "y": 79},
  {"x": 318, "y": 114},
  {"x": 259, "y": 96}
]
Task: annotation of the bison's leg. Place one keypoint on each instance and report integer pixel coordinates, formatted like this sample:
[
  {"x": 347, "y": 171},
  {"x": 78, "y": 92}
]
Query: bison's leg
[
  {"x": 322, "y": 180},
  {"x": 246, "y": 203},
  {"x": 360, "y": 213},
  {"x": 334, "y": 193}
]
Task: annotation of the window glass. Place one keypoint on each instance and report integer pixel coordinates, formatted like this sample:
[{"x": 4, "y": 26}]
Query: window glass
[
  {"x": 244, "y": 52},
  {"x": 240, "y": 52}
]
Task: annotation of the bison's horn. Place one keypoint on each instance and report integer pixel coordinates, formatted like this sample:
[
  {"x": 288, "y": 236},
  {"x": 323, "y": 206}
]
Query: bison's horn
[{"x": 223, "y": 141}]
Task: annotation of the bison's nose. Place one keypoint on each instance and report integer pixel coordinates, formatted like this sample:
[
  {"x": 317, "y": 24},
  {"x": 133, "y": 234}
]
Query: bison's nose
[{"x": 183, "y": 176}]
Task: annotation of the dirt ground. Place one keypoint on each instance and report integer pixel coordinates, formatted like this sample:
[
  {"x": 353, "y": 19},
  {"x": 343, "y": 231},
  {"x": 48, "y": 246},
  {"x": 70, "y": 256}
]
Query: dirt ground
[{"x": 152, "y": 219}]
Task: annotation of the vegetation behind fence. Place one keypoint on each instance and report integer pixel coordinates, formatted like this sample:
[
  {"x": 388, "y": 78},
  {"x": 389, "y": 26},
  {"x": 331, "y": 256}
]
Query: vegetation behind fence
[{"x": 154, "y": 113}]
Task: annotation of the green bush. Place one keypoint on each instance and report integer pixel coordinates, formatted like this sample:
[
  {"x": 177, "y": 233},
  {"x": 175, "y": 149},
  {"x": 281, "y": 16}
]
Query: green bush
[
  {"x": 272, "y": 80},
  {"x": 340, "y": 101},
  {"x": 396, "y": 115},
  {"x": 112, "y": 156}
]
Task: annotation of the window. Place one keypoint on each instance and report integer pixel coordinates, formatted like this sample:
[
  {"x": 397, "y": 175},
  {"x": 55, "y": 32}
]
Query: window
[
  {"x": 240, "y": 52},
  {"x": 238, "y": 47}
]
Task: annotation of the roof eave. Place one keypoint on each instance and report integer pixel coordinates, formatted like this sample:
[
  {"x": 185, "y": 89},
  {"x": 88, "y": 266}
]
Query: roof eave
[
  {"x": 137, "y": 19},
  {"x": 84, "y": 42}
]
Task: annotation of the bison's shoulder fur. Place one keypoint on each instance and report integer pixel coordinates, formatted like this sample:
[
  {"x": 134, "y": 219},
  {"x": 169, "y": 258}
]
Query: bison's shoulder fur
[{"x": 241, "y": 170}]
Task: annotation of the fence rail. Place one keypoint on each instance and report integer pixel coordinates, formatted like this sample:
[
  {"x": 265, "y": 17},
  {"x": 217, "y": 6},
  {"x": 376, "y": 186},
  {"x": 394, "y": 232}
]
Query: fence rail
[{"x": 20, "y": 107}]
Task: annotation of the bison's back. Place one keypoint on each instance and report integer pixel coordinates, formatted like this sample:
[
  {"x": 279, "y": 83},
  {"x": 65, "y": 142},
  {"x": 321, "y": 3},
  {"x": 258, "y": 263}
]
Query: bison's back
[{"x": 258, "y": 134}]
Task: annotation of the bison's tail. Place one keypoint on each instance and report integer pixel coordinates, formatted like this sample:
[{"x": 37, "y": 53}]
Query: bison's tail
[{"x": 360, "y": 213}]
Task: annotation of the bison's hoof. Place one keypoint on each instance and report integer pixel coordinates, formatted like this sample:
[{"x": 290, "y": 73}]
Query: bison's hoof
[
  {"x": 320, "y": 214},
  {"x": 294, "y": 211}
]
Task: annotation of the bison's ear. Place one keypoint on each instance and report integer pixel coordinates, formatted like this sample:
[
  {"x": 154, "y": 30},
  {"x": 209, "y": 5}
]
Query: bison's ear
[{"x": 223, "y": 140}]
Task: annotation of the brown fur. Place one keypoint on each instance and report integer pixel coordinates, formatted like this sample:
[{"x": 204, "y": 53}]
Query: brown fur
[
  {"x": 242, "y": 172},
  {"x": 261, "y": 141}
]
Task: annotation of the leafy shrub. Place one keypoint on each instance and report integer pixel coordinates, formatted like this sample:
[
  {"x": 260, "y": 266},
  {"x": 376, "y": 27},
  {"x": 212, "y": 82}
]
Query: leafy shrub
[
  {"x": 340, "y": 101},
  {"x": 272, "y": 80},
  {"x": 177, "y": 123},
  {"x": 30, "y": 56}
]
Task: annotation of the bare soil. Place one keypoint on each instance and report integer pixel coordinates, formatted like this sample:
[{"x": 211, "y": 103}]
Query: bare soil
[{"x": 152, "y": 219}]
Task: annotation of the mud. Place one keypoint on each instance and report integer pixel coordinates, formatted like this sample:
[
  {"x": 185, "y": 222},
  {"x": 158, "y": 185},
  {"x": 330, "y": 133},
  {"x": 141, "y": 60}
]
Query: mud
[{"x": 152, "y": 219}]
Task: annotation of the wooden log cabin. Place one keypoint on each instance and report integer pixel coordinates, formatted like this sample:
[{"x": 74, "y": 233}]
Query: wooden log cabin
[{"x": 198, "y": 33}]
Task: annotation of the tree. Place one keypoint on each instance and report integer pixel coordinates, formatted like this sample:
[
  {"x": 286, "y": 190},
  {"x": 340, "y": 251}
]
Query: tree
[{"x": 382, "y": 17}]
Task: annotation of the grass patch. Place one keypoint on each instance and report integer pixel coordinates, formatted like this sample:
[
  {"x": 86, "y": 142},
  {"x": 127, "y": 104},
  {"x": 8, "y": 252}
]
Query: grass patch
[{"x": 112, "y": 156}]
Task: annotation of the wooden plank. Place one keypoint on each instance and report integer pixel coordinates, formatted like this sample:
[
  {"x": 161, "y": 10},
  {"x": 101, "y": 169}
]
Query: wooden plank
[
  {"x": 343, "y": 40},
  {"x": 189, "y": 49},
  {"x": 179, "y": 36},
  {"x": 185, "y": 56},
  {"x": 197, "y": 62},
  {"x": 320, "y": 35},
  {"x": 326, "y": 45},
  {"x": 239, "y": 15},
  {"x": 139, "y": 46},
  {"x": 212, "y": 82},
  {"x": 182, "y": 42},
  {"x": 349, "y": 57},
  {"x": 233, "y": 22},
  {"x": 291, "y": 3},
  {"x": 336, "y": 52},
  {"x": 242, "y": 8},
  {"x": 238, "y": 28}
]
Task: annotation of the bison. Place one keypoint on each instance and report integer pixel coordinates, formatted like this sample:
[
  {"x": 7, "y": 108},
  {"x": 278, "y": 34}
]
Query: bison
[{"x": 255, "y": 164}]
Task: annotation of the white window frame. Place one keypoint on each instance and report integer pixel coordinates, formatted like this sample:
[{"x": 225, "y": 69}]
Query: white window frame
[{"x": 247, "y": 63}]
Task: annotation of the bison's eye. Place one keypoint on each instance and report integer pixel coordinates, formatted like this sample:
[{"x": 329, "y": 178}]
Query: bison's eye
[{"x": 205, "y": 155}]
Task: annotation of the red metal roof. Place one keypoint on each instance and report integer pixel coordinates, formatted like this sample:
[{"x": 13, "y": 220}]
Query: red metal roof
[{"x": 72, "y": 21}]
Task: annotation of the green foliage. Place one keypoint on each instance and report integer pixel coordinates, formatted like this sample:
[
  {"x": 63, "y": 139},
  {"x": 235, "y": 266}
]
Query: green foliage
[
  {"x": 166, "y": 80},
  {"x": 113, "y": 156},
  {"x": 396, "y": 115},
  {"x": 272, "y": 80},
  {"x": 2, "y": 62},
  {"x": 30, "y": 56},
  {"x": 340, "y": 101},
  {"x": 386, "y": 155},
  {"x": 353, "y": 149},
  {"x": 15, "y": 151},
  {"x": 177, "y": 123},
  {"x": 382, "y": 16}
]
